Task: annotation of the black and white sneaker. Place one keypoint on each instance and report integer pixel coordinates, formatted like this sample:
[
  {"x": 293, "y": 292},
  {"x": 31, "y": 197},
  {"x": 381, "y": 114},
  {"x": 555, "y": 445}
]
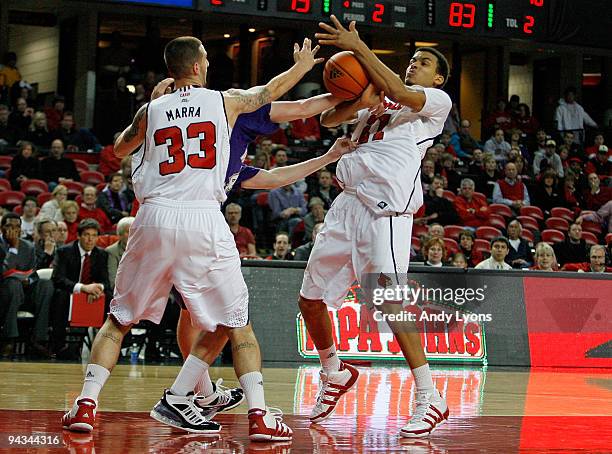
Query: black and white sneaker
[
  {"x": 222, "y": 399},
  {"x": 183, "y": 413}
]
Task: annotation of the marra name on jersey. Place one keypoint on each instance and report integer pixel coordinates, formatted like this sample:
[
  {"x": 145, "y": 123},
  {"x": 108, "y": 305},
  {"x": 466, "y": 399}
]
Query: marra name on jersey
[{"x": 182, "y": 112}]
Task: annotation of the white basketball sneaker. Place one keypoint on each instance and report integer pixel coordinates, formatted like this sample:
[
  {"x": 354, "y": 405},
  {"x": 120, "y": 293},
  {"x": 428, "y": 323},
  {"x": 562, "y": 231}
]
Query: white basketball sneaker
[
  {"x": 431, "y": 411},
  {"x": 331, "y": 387}
]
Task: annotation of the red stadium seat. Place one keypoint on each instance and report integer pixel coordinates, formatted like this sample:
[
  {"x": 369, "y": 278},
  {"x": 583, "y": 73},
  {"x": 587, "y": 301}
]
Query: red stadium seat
[
  {"x": 43, "y": 197},
  {"x": 262, "y": 199},
  {"x": 101, "y": 186},
  {"x": 416, "y": 243},
  {"x": 527, "y": 222},
  {"x": 481, "y": 246},
  {"x": 5, "y": 185},
  {"x": 502, "y": 210},
  {"x": 297, "y": 237},
  {"x": 74, "y": 188},
  {"x": 590, "y": 238},
  {"x": 487, "y": 233},
  {"x": 452, "y": 231},
  {"x": 105, "y": 241},
  {"x": 451, "y": 246},
  {"x": 419, "y": 229},
  {"x": 479, "y": 196},
  {"x": 527, "y": 234},
  {"x": 5, "y": 162},
  {"x": 92, "y": 177},
  {"x": 81, "y": 165},
  {"x": 79, "y": 199},
  {"x": 449, "y": 195},
  {"x": 532, "y": 211},
  {"x": 11, "y": 198},
  {"x": 34, "y": 187},
  {"x": 552, "y": 236},
  {"x": 593, "y": 227},
  {"x": 562, "y": 212},
  {"x": 497, "y": 221},
  {"x": 608, "y": 238},
  {"x": 557, "y": 224}
]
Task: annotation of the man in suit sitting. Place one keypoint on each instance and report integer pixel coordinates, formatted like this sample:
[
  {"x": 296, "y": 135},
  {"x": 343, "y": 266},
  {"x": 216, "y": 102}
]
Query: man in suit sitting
[{"x": 80, "y": 267}]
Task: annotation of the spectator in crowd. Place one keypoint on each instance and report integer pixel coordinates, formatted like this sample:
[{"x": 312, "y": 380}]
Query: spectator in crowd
[
  {"x": 489, "y": 178},
  {"x": 25, "y": 165},
  {"x": 515, "y": 143},
  {"x": 265, "y": 146},
  {"x": 113, "y": 200},
  {"x": 436, "y": 231},
  {"x": 435, "y": 252},
  {"x": 52, "y": 208},
  {"x": 600, "y": 164},
  {"x": 573, "y": 249},
  {"x": 38, "y": 133},
  {"x": 45, "y": 247},
  {"x": 61, "y": 234},
  {"x": 513, "y": 106},
  {"x": 9, "y": 73},
  {"x": 519, "y": 251},
  {"x": 115, "y": 251},
  {"x": 511, "y": 191},
  {"x": 260, "y": 161},
  {"x": 453, "y": 120},
  {"x": 573, "y": 147},
  {"x": 580, "y": 178},
  {"x": 545, "y": 259},
  {"x": 280, "y": 157},
  {"x": 288, "y": 207},
  {"x": 281, "y": 247},
  {"x": 571, "y": 116},
  {"x": 8, "y": 134},
  {"x": 21, "y": 117},
  {"x": 70, "y": 213},
  {"x": 90, "y": 209},
  {"x": 499, "y": 250},
  {"x": 596, "y": 264},
  {"x": 436, "y": 206},
  {"x": 497, "y": 146},
  {"x": 473, "y": 212},
  {"x": 598, "y": 141},
  {"x": 547, "y": 195},
  {"x": 463, "y": 141},
  {"x": 306, "y": 129},
  {"x": 500, "y": 118},
  {"x": 303, "y": 252},
  {"x": 428, "y": 171},
  {"x": 109, "y": 163},
  {"x": 476, "y": 164},
  {"x": 325, "y": 190},
  {"x": 453, "y": 177},
  {"x": 466, "y": 247},
  {"x": 76, "y": 139},
  {"x": 20, "y": 287},
  {"x": 524, "y": 121},
  {"x": 459, "y": 261},
  {"x": 445, "y": 139},
  {"x": 29, "y": 210},
  {"x": 597, "y": 195},
  {"x": 521, "y": 168},
  {"x": 572, "y": 198},
  {"x": 548, "y": 160},
  {"x": 316, "y": 215},
  {"x": 57, "y": 168},
  {"x": 603, "y": 216},
  {"x": 244, "y": 238},
  {"x": 564, "y": 156},
  {"x": 55, "y": 113},
  {"x": 541, "y": 138},
  {"x": 80, "y": 267}
]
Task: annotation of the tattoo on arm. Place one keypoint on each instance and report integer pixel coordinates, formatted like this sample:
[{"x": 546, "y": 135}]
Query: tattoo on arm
[
  {"x": 243, "y": 345},
  {"x": 115, "y": 339},
  {"x": 135, "y": 126},
  {"x": 253, "y": 98}
]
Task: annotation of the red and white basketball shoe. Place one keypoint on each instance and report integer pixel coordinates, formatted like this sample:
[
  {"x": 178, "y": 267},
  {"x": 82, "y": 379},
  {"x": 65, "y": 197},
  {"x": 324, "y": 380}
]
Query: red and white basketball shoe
[
  {"x": 268, "y": 425},
  {"x": 81, "y": 417},
  {"x": 431, "y": 411},
  {"x": 332, "y": 386}
]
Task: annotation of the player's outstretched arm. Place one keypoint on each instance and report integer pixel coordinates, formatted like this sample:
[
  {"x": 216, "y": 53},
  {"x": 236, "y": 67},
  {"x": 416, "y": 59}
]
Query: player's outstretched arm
[
  {"x": 282, "y": 111},
  {"x": 243, "y": 101},
  {"x": 346, "y": 112},
  {"x": 282, "y": 176},
  {"x": 380, "y": 74}
]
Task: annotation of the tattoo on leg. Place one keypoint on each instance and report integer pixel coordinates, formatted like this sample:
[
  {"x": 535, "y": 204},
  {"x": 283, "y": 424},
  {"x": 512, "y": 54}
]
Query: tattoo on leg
[
  {"x": 243, "y": 345},
  {"x": 115, "y": 339}
]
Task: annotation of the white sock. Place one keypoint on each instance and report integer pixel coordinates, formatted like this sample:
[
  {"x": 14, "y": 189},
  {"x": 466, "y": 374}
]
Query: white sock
[
  {"x": 422, "y": 378},
  {"x": 95, "y": 377},
  {"x": 252, "y": 384},
  {"x": 329, "y": 359},
  {"x": 190, "y": 373},
  {"x": 204, "y": 386}
]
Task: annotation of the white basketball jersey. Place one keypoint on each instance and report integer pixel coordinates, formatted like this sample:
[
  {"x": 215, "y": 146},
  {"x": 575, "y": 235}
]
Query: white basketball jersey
[
  {"x": 186, "y": 150},
  {"x": 385, "y": 167}
]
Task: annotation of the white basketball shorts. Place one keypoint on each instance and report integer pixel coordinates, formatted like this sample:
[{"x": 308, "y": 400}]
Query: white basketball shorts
[
  {"x": 353, "y": 242},
  {"x": 188, "y": 245}
]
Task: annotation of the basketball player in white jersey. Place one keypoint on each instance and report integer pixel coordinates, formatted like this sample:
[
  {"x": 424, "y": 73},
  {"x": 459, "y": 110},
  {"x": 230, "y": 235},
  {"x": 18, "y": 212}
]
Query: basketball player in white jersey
[
  {"x": 180, "y": 238},
  {"x": 368, "y": 228}
]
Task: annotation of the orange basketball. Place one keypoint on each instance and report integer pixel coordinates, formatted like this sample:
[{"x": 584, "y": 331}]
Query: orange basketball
[{"x": 344, "y": 77}]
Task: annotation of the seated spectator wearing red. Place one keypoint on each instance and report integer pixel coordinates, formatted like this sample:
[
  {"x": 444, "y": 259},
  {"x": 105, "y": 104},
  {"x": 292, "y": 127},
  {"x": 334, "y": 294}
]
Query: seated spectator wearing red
[
  {"x": 511, "y": 191},
  {"x": 113, "y": 199},
  {"x": 56, "y": 168},
  {"x": 598, "y": 141},
  {"x": 307, "y": 129},
  {"x": 547, "y": 195},
  {"x": 499, "y": 118},
  {"x": 600, "y": 164},
  {"x": 573, "y": 249},
  {"x": 519, "y": 252},
  {"x": 89, "y": 209},
  {"x": 603, "y": 216},
  {"x": 434, "y": 252},
  {"x": 325, "y": 190},
  {"x": 282, "y": 247},
  {"x": 466, "y": 246},
  {"x": 38, "y": 133},
  {"x": 488, "y": 178},
  {"x": 545, "y": 259},
  {"x": 436, "y": 206},
  {"x": 597, "y": 262},
  {"x": 54, "y": 114},
  {"x": 25, "y": 165},
  {"x": 472, "y": 212},
  {"x": 244, "y": 238},
  {"x": 70, "y": 212},
  {"x": 597, "y": 195},
  {"x": 525, "y": 121},
  {"x": 109, "y": 163}
]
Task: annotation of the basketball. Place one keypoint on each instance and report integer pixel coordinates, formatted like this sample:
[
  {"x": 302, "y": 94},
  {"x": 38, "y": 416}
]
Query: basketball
[{"x": 344, "y": 77}]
